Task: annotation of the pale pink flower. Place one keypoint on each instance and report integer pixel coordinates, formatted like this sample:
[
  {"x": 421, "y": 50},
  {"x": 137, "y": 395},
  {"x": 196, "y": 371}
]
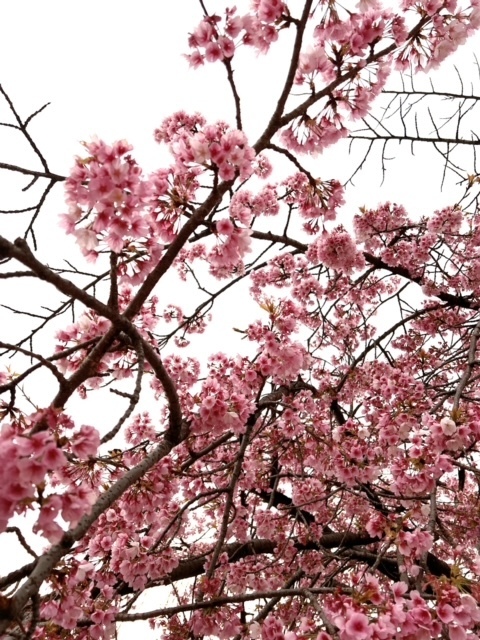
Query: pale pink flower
[
  {"x": 85, "y": 442},
  {"x": 448, "y": 426},
  {"x": 445, "y": 612},
  {"x": 86, "y": 238},
  {"x": 338, "y": 251},
  {"x": 456, "y": 633},
  {"x": 356, "y": 626}
]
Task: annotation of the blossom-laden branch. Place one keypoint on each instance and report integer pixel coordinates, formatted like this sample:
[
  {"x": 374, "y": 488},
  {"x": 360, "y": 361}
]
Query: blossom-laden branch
[
  {"x": 322, "y": 460},
  {"x": 49, "y": 560}
]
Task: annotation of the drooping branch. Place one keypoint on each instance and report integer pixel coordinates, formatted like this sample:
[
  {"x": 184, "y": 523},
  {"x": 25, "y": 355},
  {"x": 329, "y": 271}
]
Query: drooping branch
[
  {"x": 46, "y": 362},
  {"x": 22, "y": 126},
  {"x": 134, "y": 397},
  {"x": 177, "y": 429},
  {"x": 8, "y": 386},
  {"x": 20, "y": 251}
]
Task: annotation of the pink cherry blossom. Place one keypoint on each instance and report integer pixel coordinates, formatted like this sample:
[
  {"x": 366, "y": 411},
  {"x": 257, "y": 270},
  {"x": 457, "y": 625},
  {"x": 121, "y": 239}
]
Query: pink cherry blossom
[
  {"x": 86, "y": 442},
  {"x": 337, "y": 250},
  {"x": 315, "y": 479},
  {"x": 357, "y": 626}
]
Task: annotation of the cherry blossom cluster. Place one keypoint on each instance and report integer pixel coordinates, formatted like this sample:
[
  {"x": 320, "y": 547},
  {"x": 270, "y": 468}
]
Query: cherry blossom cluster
[
  {"x": 350, "y": 41},
  {"x": 342, "y": 43},
  {"x": 336, "y": 250},
  {"x": 229, "y": 252},
  {"x": 312, "y": 135},
  {"x": 33, "y": 460},
  {"x": 226, "y": 400},
  {"x": 107, "y": 191},
  {"x": 130, "y": 548},
  {"x": 376, "y": 228},
  {"x": 212, "y": 41},
  {"x": 430, "y": 247},
  {"x": 321, "y": 198},
  {"x": 449, "y": 27},
  {"x": 219, "y": 412},
  {"x": 113, "y": 207},
  {"x": 172, "y": 191},
  {"x": 25, "y": 462},
  {"x": 245, "y": 205},
  {"x": 286, "y": 270},
  {"x": 281, "y": 358},
  {"x": 65, "y": 613},
  {"x": 193, "y": 142},
  {"x": 400, "y": 615},
  {"x": 71, "y": 506},
  {"x": 355, "y": 37},
  {"x": 121, "y": 358}
]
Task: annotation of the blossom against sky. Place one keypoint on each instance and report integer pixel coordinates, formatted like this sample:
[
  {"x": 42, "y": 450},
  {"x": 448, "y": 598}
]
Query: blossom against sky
[{"x": 117, "y": 72}]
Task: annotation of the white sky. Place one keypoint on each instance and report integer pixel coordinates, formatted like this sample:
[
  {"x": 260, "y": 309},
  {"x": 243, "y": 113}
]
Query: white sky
[{"x": 113, "y": 68}]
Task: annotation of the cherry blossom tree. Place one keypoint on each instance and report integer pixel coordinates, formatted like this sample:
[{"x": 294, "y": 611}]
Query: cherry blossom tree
[{"x": 323, "y": 483}]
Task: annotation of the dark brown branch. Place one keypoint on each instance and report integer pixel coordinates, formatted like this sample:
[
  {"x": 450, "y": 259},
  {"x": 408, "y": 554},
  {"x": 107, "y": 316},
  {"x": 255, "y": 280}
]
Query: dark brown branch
[
  {"x": 29, "y": 229},
  {"x": 471, "y": 362},
  {"x": 238, "y": 550},
  {"x": 285, "y": 240},
  {"x": 349, "y": 75},
  {"x": 134, "y": 397},
  {"x": 227, "y": 63},
  {"x": 57, "y": 356},
  {"x": 15, "y": 576},
  {"x": 17, "y": 274},
  {"x": 417, "y": 138},
  {"x": 172, "y": 252},
  {"x": 177, "y": 430},
  {"x": 43, "y": 361},
  {"x": 294, "y": 160},
  {"x": 218, "y": 602},
  {"x": 22, "y": 253},
  {"x": 23, "y": 126},
  {"x": 438, "y": 94},
  {"x": 30, "y": 172},
  {"x": 21, "y": 539},
  {"x": 19, "y": 250},
  {"x": 276, "y": 120},
  {"x": 87, "y": 369},
  {"x": 465, "y": 302}
]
